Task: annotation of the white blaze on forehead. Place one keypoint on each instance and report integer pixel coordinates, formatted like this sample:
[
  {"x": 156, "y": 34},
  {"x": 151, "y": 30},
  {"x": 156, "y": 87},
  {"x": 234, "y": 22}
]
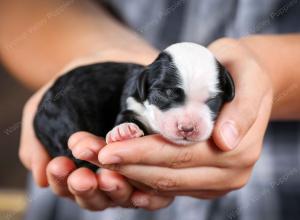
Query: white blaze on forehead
[{"x": 197, "y": 68}]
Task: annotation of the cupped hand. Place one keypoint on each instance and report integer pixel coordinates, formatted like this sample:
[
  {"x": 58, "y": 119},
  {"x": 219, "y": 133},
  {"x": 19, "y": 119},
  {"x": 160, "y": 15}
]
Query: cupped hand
[
  {"x": 86, "y": 146},
  {"x": 213, "y": 168},
  {"x": 90, "y": 190},
  {"x": 93, "y": 191}
]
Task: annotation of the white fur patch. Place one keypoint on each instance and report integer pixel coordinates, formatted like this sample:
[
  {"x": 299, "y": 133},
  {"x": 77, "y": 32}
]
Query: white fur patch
[
  {"x": 142, "y": 112},
  {"x": 197, "y": 69}
]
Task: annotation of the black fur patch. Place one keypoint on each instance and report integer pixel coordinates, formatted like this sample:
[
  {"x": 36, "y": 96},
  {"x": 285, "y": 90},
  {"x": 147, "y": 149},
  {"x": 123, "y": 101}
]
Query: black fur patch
[
  {"x": 215, "y": 104},
  {"x": 85, "y": 99},
  {"x": 163, "y": 83},
  {"x": 227, "y": 91},
  {"x": 226, "y": 83}
]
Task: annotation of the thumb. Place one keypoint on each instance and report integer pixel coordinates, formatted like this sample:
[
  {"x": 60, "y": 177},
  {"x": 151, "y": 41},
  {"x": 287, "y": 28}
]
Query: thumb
[
  {"x": 234, "y": 122},
  {"x": 237, "y": 117}
]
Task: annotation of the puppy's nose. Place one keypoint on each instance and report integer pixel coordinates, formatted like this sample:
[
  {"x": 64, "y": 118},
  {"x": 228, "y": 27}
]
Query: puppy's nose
[{"x": 186, "y": 130}]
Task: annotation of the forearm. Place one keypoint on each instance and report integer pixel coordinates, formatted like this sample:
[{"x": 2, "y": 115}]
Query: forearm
[
  {"x": 39, "y": 38},
  {"x": 280, "y": 56}
]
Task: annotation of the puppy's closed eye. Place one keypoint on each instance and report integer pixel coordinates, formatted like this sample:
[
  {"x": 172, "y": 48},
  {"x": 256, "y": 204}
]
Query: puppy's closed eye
[
  {"x": 214, "y": 104},
  {"x": 172, "y": 93}
]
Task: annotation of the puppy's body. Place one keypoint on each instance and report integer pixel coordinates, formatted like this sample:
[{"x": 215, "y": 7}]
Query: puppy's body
[
  {"x": 179, "y": 96},
  {"x": 85, "y": 99}
]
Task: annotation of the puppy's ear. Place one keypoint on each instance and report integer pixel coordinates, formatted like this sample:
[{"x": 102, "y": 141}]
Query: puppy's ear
[
  {"x": 142, "y": 85},
  {"x": 159, "y": 67},
  {"x": 226, "y": 83}
]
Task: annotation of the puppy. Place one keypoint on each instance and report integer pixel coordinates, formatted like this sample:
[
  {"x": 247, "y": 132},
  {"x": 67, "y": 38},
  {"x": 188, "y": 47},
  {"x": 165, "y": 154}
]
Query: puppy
[{"x": 178, "y": 96}]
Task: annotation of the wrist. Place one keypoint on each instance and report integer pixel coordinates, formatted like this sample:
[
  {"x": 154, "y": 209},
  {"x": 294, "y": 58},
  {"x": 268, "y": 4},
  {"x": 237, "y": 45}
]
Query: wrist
[
  {"x": 262, "y": 51},
  {"x": 279, "y": 55}
]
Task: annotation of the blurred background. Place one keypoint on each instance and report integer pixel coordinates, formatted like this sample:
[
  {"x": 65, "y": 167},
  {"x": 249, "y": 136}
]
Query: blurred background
[{"x": 12, "y": 174}]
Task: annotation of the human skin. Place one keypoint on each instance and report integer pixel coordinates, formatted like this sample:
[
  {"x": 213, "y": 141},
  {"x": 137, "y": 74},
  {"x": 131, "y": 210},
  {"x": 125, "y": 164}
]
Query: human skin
[
  {"x": 211, "y": 169},
  {"x": 74, "y": 37},
  {"x": 34, "y": 68}
]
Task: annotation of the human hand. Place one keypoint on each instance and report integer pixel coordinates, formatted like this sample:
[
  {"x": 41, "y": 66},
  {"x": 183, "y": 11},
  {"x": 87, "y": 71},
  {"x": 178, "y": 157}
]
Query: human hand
[
  {"x": 204, "y": 170},
  {"x": 85, "y": 146},
  {"x": 92, "y": 32},
  {"x": 91, "y": 191}
]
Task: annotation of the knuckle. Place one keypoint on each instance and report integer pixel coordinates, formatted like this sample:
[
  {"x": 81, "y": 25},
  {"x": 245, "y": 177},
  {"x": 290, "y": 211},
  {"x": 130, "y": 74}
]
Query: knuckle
[
  {"x": 164, "y": 183},
  {"x": 182, "y": 158}
]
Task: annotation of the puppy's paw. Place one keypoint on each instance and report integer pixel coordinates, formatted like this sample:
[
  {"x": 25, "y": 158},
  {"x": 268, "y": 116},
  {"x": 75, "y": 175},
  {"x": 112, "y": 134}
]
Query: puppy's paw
[{"x": 124, "y": 131}]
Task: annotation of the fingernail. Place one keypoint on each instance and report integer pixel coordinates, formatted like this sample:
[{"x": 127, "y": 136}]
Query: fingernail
[
  {"x": 111, "y": 160},
  {"x": 140, "y": 202},
  {"x": 229, "y": 134}
]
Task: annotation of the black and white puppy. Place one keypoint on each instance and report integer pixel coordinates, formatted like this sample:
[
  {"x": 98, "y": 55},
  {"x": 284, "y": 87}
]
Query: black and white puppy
[{"x": 178, "y": 96}]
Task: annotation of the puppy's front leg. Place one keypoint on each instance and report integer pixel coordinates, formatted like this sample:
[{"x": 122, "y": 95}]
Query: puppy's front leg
[{"x": 124, "y": 131}]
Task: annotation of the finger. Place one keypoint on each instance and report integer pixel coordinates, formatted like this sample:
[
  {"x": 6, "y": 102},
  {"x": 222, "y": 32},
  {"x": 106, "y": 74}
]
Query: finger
[
  {"x": 150, "y": 201},
  {"x": 200, "y": 194},
  {"x": 185, "y": 179},
  {"x": 154, "y": 150},
  {"x": 58, "y": 171},
  {"x": 209, "y": 195},
  {"x": 31, "y": 152},
  {"x": 28, "y": 139},
  {"x": 83, "y": 185},
  {"x": 27, "y": 136},
  {"x": 116, "y": 187},
  {"x": 85, "y": 146},
  {"x": 28, "y": 143},
  {"x": 238, "y": 116},
  {"x": 40, "y": 160}
]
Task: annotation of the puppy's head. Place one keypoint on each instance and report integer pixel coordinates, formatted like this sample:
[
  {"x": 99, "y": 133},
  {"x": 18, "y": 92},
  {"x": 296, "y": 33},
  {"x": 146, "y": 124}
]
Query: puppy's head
[{"x": 183, "y": 91}]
